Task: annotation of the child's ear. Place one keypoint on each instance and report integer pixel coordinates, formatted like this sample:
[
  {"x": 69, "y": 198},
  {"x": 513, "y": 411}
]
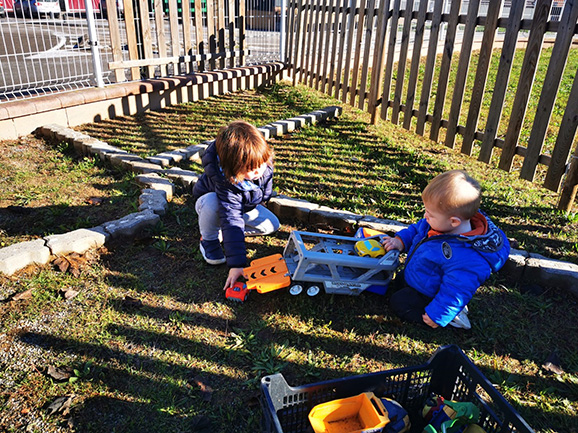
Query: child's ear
[{"x": 455, "y": 221}]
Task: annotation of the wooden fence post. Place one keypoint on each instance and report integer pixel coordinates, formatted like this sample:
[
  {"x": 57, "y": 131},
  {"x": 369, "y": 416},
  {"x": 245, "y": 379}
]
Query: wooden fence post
[
  {"x": 550, "y": 89},
  {"x": 378, "y": 58},
  {"x": 527, "y": 75},
  {"x": 429, "y": 67},
  {"x": 568, "y": 194},
  {"x": 320, "y": 46},
  {"x": 445, "y": 70},
  {"x": 358, "y": 41},
  {"x": 330, "y": 29},
  {"x": 415, "y": 61},
  {"x": 563, "y": 145},
  {"x": 462, "y": 73},
  {"x": 366, "y": 53},
  {"x": 242, "y": 30},
  {"x": 160, "y": 32},
  {"x": 115, "y": 39},
  {"x": 199, "y": 38},
  {"x": 484, "y": 59},
  {"x": 389, "y": 63},
  {"x": 402, "y": 62},
  {"x": 502, "y": 78}
]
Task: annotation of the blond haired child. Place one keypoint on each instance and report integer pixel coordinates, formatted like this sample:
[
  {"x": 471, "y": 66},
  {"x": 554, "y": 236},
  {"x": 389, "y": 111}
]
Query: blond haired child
[
  {"x": 238, "y": 178},
  {"x": 450, "y": 253}
]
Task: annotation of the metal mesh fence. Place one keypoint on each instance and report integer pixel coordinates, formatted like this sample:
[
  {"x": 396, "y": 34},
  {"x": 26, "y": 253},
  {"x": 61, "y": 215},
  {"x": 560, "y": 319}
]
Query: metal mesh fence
[{"x": 50, "y": 52}]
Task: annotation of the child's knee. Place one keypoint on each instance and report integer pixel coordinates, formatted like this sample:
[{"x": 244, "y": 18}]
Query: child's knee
[{"x": 268, "y": 226}]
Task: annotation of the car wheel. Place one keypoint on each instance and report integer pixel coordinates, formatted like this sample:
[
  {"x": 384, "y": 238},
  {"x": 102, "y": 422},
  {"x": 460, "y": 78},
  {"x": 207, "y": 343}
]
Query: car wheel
[
  {"x": 313, "y": 291},
  {"x": 296, "y": 289}
]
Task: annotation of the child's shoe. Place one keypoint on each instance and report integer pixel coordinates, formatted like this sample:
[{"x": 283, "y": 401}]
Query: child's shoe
[
  {"x": 212, "y": 252},
  {"x": 461, "y": 320}
]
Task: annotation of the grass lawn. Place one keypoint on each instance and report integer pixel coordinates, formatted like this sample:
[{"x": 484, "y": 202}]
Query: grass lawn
[{"x": 144, "y": 339}]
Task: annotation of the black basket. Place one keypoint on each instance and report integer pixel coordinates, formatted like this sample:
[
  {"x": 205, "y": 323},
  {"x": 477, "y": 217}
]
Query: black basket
[{"x": 448, "y": 373}]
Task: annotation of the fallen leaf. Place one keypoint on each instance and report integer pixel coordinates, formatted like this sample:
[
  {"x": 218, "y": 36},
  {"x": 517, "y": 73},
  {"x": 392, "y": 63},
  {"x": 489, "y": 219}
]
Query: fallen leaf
[
  {"x": 77, "y": 262},
  {"x": 72, "y": 263},
  {"x": 95, "y": 201},
  {"x": 61, "y": 404},
  {"x": 22, "y": 295},
  {"x": 552, "y": 364},
  {"x": 61, "y": 263},
  {"x": 69, "y": 294},
  {"x": 206, "y": 390},
  {"x": 59, "y": 373}
]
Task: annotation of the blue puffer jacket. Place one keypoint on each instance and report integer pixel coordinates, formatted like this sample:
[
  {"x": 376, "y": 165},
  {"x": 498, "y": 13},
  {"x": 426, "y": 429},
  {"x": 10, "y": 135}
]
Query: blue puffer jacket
[
  {"x": 450, "y": 268},
  {"x": 234, "y": 201}
]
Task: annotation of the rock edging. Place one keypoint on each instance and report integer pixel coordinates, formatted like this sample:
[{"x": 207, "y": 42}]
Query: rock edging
[{"x": 158, "y": 189}]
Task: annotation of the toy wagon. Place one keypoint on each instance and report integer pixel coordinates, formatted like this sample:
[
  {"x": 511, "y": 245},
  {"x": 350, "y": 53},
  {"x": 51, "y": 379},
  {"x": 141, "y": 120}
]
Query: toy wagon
[{"x": 314, "y": 260}]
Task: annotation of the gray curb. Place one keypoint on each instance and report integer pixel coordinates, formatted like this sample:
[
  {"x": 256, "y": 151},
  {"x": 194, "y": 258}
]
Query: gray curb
[{"x": 521, "y": 267}]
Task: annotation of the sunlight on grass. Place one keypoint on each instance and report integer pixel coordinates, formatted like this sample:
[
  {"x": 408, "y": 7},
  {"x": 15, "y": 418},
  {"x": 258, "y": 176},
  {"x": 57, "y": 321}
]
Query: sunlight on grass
[{"x": 158, "y": 348}]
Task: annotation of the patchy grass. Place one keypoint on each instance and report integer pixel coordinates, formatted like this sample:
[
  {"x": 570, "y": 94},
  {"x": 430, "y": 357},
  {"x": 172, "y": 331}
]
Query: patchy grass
[{"x": 151, "y": 343}]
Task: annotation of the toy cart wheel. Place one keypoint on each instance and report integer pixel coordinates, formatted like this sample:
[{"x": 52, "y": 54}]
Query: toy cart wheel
[
  {"x": 296, "y": 289},
  {"x": 313, "y": 291}
]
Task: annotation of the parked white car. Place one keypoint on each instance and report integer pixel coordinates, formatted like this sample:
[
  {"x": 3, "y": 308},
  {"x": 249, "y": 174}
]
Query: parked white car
[{"x": 35, "y": 8}]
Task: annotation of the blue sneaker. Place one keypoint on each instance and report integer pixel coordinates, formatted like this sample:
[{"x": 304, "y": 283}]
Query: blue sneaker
[{"x": 212, "y": 252}]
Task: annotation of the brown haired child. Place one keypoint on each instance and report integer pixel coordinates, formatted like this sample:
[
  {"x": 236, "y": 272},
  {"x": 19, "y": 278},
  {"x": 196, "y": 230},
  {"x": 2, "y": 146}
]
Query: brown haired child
[{"x": 238, "y": 178}]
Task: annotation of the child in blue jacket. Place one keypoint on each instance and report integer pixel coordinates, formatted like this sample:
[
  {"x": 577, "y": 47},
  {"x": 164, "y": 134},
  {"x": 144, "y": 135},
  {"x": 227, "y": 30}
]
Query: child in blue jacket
[
  {"x": 450, "y": 253},
  {"x": 238, "y": 177}
]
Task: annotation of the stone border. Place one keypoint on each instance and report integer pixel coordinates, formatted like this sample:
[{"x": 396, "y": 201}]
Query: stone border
[
  {"x": 158, "y": 189},
  {"x": 93, "y": 104},
  {"x": 521, "y": 267}
]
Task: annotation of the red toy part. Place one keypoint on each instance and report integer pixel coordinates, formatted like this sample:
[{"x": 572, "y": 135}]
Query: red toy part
[{"x": 237, "y": 292}]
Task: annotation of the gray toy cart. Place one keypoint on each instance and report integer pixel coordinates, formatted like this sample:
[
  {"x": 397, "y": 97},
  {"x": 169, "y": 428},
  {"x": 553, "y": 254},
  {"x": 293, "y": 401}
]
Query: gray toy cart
[{"x": 316, "y": 258}]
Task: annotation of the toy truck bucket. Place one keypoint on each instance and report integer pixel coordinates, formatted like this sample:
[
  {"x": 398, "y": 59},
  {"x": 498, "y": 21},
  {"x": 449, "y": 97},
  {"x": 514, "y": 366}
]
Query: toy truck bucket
[{"x": 331, "y": 260}]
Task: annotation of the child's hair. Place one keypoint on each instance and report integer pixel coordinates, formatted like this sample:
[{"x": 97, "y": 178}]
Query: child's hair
[
  {"x": 241, "y": 148},
  {"x": 454, "y": 193}
]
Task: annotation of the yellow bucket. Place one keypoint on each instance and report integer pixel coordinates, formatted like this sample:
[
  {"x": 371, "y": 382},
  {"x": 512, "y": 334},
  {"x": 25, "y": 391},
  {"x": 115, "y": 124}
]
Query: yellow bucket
[{"x": 363, "y": 413}]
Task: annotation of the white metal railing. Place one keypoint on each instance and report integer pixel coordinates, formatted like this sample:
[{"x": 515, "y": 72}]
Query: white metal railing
[{"x": 72, "y": 49}]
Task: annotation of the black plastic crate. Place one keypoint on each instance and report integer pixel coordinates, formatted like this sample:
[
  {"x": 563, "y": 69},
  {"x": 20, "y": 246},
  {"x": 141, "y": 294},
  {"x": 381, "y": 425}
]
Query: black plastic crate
[{"x": 448, "y": 373}]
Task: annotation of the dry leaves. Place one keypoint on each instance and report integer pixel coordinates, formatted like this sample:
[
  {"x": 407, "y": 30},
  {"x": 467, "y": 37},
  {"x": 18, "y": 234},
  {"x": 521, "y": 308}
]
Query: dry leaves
[
  {"x": 72, "y": 263},
  {"x": 59, "y": 373},
  {"x": 61, "y": 405},
  {"x": 206, "y": 390},
  {"x": 68, "y": 293},
  {"x": 22, "y": 295},
  {"x": 94, "y": 201}
]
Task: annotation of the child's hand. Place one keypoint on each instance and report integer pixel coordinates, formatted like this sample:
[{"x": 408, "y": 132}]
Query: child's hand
[
  {"x": 234, "y": 274},
  {"x": 429, "y": 321},
  {"x": 390, "y": 243}
]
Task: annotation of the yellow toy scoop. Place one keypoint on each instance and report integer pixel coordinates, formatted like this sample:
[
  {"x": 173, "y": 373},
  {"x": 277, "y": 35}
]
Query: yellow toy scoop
[{"x": 267, "y": 274}]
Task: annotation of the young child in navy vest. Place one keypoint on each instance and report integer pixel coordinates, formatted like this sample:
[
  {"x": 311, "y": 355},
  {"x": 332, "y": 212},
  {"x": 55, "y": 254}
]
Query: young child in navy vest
[
  {"x": 450, "y": 253},
  {"x": 238, "y": 177}
]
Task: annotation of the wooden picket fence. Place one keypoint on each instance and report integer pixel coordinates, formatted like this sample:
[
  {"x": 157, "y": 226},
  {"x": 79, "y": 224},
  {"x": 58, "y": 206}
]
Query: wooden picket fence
[
  {"x": 194, "y": 36},
  {"x": 347, "y": 48}
]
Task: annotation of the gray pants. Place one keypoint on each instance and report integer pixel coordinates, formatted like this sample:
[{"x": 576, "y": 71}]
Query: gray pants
[{"x": 259, "y": 221}]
